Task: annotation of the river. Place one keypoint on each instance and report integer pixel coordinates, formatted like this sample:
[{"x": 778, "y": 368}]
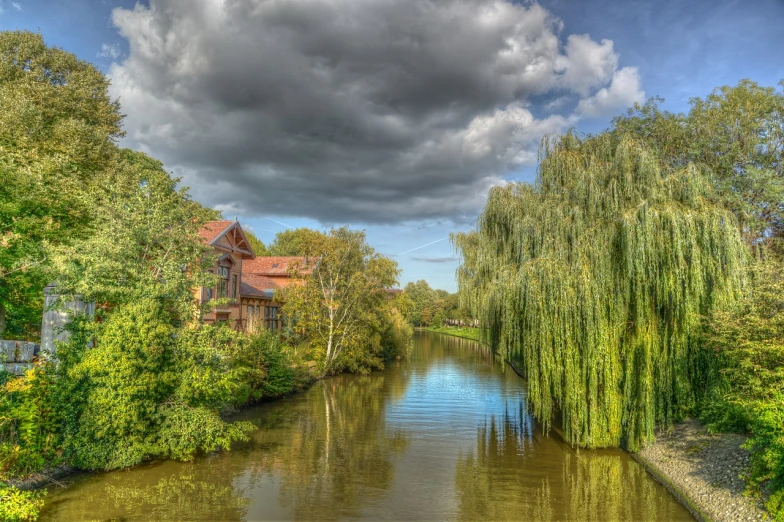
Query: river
[{"x": 444, "y": 435}]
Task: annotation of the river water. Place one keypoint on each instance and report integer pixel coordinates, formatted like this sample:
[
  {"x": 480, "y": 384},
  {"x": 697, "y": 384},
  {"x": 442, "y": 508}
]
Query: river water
[{"x": 444, "y": 435}]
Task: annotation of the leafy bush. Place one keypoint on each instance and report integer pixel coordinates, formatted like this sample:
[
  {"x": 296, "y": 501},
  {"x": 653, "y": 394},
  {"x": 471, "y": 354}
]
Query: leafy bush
[
  {"x": 397, "y": 336},
  {"x": 18, "y": 505},
  {"x": 748, "y": 338},
  {"x": 270, "y": 370},
  {"x": 767, "y": 452},
  {"x": 152, "y": 390}
]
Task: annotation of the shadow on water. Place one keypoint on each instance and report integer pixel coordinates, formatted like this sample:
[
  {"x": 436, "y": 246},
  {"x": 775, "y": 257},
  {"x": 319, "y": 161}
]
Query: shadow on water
[{"x": 443, "y": 435}]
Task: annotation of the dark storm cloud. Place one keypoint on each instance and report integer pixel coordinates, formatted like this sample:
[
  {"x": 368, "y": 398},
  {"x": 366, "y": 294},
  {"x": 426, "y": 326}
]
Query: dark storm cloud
[{"x": 373, "y": 110}]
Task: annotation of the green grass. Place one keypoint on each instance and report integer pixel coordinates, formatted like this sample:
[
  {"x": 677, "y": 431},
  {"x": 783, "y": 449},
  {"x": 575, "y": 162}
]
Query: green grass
[{"x": 465, "y": 332}]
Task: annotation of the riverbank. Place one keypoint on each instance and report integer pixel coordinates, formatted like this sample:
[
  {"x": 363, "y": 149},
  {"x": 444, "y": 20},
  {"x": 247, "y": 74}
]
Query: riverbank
[
  {"x": 703, "y": 471},
  {"x": 466, "y": 332}
]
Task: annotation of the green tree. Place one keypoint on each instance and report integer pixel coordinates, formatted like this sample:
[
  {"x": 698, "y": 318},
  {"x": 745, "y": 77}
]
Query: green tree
[
  {"x": 143, "y": 239},
  {"x": 57, "y": 132},
  {"x": 736, "y": 136},
  {"x": 340, "y": 306},
  {"x": 422, "y": 297},
  {"x": 255, "y": 243},
  {"x": 748, "y": 336},
  {"x": 297, "y": 242},
  {"x": 595, "y": 279}
]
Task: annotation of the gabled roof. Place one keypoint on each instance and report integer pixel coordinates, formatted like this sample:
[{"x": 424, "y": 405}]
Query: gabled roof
[
  {"x": 212, "y": 231},
  {"x": 258, "y": 286},
  {"x": 277, "y": 266}
]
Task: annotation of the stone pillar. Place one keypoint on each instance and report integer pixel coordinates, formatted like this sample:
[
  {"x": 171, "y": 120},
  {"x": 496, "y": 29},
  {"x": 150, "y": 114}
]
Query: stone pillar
[
  {"x": 17, "y": 356},
  {"x": 57, "y": 314}
]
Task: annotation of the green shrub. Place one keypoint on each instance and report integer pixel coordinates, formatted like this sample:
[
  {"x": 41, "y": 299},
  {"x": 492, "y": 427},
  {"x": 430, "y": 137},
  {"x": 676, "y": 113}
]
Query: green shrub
[
  {"x": 396, "y": 337},
  {"x": 767, "y": 452},
  {"x": 747, "y": 337},
  {"x": 146, "y": 383},
  {"x": 18, "y": 505},
  {"x": 270, "y": 368}
]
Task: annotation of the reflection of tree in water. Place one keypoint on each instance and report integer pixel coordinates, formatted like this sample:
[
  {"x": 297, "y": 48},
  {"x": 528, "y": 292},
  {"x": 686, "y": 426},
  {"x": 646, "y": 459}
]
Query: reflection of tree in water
[
  {"x": 339, "y": 455},
  {"x": 511, "y": 478},
  {"x": 190, "y": 492}
]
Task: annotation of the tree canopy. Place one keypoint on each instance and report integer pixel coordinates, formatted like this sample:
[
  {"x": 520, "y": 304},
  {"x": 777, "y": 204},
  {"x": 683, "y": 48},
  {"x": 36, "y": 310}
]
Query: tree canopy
[
  {"x": 595, "y": 278},
  {"x": 736, "y": 136},
  {"x": 296, "y": 242},
  {"x": 58, "y": 128},
  {"x": 341, "y": 306}
]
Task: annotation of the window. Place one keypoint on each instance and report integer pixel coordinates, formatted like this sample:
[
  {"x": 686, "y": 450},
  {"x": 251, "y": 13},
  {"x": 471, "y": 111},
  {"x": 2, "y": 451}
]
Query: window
[
  {"x": 271, "y": 317},
  {"x": 208, "y": 294},
  {"x": 234, "y": 286},
  {"x": 223, "y": 282}
]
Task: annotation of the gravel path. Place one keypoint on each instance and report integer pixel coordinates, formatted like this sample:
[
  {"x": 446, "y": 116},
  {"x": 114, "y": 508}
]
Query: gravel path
[{"x": 706, "y": 470}]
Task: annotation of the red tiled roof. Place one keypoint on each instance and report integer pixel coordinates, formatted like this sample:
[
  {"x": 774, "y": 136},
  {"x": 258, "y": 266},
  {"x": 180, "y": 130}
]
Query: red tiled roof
[
  {"x": 268, "y": 265},
  {"x": 213, "y": 229},
  {"x": 257, "y": 285}
]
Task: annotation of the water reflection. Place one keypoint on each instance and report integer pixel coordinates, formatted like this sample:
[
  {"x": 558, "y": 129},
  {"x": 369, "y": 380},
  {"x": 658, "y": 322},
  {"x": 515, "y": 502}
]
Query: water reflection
[
  {"x": 509, "y": 476},
  {"x": 339, "y": 454},
  {"x": 442, "y": 436}
]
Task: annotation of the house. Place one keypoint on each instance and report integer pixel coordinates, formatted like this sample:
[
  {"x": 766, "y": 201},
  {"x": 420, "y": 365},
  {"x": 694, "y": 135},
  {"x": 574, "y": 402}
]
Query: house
[
  {"x": 229, "y": 241},
  {"x": 250, "y": 283},
  {"x": 262, "y": 278},
  {"x": 279, "y": 268},
  {"x": 259, "y": 301}
]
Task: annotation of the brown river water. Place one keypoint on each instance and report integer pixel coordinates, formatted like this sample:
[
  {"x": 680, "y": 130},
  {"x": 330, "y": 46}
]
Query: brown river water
[{"x": 444, "y": 435}]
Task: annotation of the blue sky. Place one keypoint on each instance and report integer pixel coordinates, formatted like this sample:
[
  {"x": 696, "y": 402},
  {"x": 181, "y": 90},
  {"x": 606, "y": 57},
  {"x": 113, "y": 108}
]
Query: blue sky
[{"x": 395, "y": 117}]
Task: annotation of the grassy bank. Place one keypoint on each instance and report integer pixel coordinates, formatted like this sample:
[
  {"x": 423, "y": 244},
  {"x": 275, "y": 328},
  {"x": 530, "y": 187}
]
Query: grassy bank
[{"x": 466, "y": 332}]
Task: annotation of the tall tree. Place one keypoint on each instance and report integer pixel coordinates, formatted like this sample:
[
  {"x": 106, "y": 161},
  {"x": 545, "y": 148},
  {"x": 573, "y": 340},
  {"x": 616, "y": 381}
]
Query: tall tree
[
  {"x": 296, "y": 242},
  {"x": 595, "y": 278},
  {"x": 144, "y": 238},
  {"x": 58, "y": 126},
  {"x": 341, "y": 304},
  {"x": 255, "y": 243},
  {"x": 736, "y": 136}
]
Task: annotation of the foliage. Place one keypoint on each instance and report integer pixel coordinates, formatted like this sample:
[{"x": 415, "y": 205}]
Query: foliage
[
  {"x": 28, "y": 437},
  {"x": 432, "y": 307},
  {"x": 748, "y": 338},
  {"x": 57, "y": 132},
  {"x": 297, "y": 242},
  {"x": 340, "y": 307},
  {"x": 397, "y": 336},
  {"x": 270, "y": 371},
  {"x": 143, "y": 238},
  {"x": 255, "y": 243},
  {"x": 18, "y": 505},
  {"x": 151, "y": 393},
  {"x": 736, "y": 136},
  {"x": 595, "y": 280}
]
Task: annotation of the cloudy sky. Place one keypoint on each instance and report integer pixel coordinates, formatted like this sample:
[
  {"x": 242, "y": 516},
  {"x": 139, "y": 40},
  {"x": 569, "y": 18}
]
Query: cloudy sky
[{"x": 391, "y": 115}]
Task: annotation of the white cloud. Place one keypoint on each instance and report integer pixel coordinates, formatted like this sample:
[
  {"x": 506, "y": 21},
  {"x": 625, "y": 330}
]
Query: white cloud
[
  {"x": 110, "y": 51},
  {"x": 16, "y": 6},
  {"x": 624, "y": 91},
  {"x": 369, "y": 111}
]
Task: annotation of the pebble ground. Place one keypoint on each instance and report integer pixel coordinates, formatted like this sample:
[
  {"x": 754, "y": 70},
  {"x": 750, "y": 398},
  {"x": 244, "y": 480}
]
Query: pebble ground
[{"x": 707, "y": 469}]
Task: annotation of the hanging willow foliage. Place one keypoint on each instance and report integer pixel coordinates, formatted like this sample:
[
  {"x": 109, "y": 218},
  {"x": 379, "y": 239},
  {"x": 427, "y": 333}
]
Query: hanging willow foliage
[{"x": 595, "y": 278}]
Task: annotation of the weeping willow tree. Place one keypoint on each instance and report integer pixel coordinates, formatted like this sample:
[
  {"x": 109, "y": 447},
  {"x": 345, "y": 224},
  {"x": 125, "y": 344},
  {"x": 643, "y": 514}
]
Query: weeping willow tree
[{"x": 594, "y": 279}]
